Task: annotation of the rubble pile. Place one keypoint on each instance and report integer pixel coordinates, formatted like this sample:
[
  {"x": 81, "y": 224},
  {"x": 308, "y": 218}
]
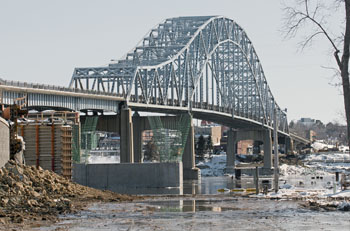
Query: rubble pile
[{"x": 28, "y": 193}]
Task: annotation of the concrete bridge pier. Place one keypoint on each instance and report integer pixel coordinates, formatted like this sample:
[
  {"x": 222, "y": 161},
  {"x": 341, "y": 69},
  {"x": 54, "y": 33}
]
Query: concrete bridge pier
[
  {"x": 231, "y": 151},
  {"x": 137, "y": 137},
  {"x": 126, "y": 136},
  {"x": 284, "y": 144},
  {"x": 291, "y": 145},
  {"x": 267, "y": 139},
  {"x": 190, "y": 172}
]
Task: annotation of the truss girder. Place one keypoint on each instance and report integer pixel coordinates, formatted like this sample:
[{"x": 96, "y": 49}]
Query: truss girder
[{"x": 196, "y": 62}]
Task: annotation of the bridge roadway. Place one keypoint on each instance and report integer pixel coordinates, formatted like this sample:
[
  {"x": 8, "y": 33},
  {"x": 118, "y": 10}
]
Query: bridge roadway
[
  {"x": 45, "y": 97},
  {"x": 50, "y": 97}
]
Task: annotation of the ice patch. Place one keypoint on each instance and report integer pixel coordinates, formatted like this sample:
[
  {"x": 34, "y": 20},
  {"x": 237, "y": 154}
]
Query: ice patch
[{"x": 286, "y": 186}]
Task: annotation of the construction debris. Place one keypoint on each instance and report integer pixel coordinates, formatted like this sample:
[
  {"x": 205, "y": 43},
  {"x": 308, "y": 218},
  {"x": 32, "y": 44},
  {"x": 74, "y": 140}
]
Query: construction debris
[
  {"x": 30, "y": 193},
  {"x": 13, "y": 113}
]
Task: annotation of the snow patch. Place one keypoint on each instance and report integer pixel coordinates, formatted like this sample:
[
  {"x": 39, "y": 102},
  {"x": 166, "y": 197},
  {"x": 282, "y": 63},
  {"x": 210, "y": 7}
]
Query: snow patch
[
  {"x": 215, "y": 166},
  {"x": 103, "y": 159}
]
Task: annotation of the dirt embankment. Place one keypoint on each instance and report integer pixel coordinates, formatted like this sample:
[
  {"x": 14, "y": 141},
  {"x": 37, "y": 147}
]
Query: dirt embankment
[{"x": 29, "y": 194}]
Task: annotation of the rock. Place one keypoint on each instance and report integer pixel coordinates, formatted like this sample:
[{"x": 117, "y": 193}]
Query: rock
[
  {"x": 19, "y": 186},
  {"x": 3, "y": 221},
  {"x": 32, "y": 203},
  {"x": 35, "y": 194},
  {"x": 14, "y": 168},
  {"x": 4, "y": 202}
]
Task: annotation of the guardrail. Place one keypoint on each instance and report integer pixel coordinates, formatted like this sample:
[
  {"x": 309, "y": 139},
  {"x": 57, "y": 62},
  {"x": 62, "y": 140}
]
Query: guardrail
[{"x": 53, "y": 87}]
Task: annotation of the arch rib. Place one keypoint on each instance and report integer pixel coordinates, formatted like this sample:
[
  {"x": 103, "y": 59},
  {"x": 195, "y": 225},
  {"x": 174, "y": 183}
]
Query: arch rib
[{"x": 183, "y": 61}]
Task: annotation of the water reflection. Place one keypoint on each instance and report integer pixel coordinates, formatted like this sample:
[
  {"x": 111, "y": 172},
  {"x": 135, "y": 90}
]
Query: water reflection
[
  {"x": 211, "y": 185},
  {"x": 207, "y": 186},
  {"x": 189, "y": 206}
]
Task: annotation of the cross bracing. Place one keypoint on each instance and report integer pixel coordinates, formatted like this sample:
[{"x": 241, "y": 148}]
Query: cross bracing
[{"x": 205, "y": 62}]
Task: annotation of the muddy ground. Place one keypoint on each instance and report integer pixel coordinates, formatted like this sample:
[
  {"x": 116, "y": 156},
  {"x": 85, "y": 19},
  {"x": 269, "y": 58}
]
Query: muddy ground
[{"x": 201, "y": 212}]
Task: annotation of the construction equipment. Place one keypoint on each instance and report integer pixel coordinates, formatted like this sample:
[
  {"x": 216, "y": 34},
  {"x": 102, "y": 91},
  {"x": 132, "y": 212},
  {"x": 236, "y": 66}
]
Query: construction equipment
[{"x": 13, "y": 113}]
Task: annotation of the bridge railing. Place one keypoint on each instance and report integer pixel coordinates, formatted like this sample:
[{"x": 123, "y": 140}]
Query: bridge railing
[{"x": 54, "y": 88}]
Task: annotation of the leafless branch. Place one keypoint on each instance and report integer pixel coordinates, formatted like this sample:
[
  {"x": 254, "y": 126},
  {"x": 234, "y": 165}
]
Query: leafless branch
[
  {"x": 335, "y": 79},
  {"x": 309, "y": 39},
  {"x": 296, "y": 18}
]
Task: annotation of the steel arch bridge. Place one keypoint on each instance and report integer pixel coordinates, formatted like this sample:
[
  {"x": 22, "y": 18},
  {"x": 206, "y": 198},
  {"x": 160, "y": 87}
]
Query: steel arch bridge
[{"x": 204, "y": 63}]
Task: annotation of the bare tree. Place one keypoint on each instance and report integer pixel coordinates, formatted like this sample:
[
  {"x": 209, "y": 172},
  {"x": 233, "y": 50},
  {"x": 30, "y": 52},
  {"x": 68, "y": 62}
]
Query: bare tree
[{"x": 307, "y": 12}]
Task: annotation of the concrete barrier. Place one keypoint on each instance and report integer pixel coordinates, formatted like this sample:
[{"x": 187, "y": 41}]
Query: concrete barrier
[
  {"x": 4, "y": 142},
  {"x": 124, "y": 176}
]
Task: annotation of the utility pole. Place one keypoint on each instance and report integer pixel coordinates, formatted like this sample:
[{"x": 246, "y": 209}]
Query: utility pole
[{"x": 275, "y": 142}]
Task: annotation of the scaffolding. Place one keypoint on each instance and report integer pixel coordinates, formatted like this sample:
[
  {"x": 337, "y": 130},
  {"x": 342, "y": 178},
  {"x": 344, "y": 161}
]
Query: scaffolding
[
  {"x": 170, "y": 137},
  {"x": 62, "y": 117},
  {"x": 48, "y": 145}
]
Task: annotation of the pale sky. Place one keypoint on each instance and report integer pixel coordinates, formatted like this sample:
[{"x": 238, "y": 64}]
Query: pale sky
[{"x": 42, "y": 41}]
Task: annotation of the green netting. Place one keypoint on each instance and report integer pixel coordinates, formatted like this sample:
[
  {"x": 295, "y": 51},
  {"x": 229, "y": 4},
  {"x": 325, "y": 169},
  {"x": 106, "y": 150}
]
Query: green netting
[
  {"x": 89, "y": 138},
  {"x": 89, "y": 124},
  {"x": 170, "y": 137},
  {"x": 76, "y": 144}
]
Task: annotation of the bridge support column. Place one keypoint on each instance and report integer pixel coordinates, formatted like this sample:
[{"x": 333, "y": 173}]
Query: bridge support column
[
  {"x": 190, "y": 172},
  {"x": 137, "y": 134},
  {"x": 267, "y": 149},
  {"x": 288, "y": 146},
  {"x": 126, "y": 136},
  {"x": 292, "y": 147},
  {"x": 231, "y": 151}
]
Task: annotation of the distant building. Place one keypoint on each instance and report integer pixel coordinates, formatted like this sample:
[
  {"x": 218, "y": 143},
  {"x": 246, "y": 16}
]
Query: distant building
[
  {"x": 311, "y": 135},
  {"x": 308, "y": 122},
  {"x": 213, "y": 131},
  {"x": 245, "y": 147}
]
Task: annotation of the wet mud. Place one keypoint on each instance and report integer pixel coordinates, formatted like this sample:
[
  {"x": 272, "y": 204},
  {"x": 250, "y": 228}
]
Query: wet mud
[{"x": 217, "y": 212}]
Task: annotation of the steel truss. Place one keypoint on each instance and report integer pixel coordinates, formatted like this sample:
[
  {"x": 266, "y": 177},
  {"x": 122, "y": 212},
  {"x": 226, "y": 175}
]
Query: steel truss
[{"x": 205, "y": 62}]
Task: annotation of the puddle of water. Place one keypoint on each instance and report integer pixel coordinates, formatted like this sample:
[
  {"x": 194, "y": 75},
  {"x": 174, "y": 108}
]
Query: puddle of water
[
  {"x": 205, "y": 186},
  {"x": 211, "y": 185},
  {"x": 223, "y": 185}
]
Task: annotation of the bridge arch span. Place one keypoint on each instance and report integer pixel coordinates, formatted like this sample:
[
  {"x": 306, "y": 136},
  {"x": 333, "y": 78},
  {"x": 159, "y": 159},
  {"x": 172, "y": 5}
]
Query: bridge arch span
[{"x": 205, "y": 62}]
